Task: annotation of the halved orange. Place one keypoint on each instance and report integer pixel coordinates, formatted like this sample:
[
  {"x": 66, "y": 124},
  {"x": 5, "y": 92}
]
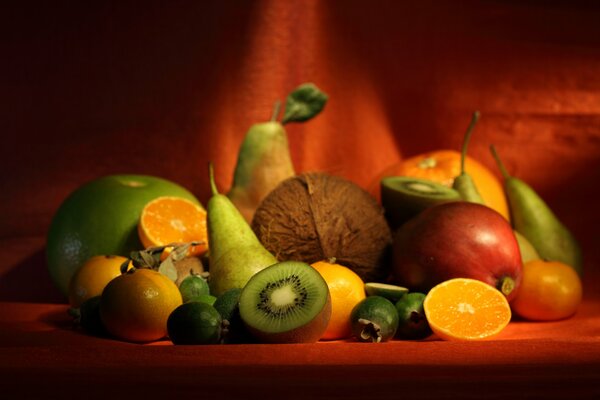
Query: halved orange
[
  {"x": 168, "y": 219},
  {"x": 466, "y": 309}
]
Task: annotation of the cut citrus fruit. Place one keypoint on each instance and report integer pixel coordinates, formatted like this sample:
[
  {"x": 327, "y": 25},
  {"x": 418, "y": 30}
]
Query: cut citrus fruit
[
  {"x": 169, "y": 219},
  {"x": 466, "y": 309}
]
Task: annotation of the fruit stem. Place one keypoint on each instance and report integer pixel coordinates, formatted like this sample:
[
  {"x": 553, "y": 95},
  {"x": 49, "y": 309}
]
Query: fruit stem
[
  {"x": 211, "y": 176},
  {"x": 499, "y": 162},
  {"x": 466, "y": 140},
  {"x": 506, "y": 285},
  {"x": 276, "y": 111}
]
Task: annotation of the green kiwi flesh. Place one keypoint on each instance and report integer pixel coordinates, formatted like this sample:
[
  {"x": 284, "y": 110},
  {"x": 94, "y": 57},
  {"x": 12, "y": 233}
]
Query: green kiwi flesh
[
  {"x": 404, "y": 197},
  {"x": 287, "y": 302}
]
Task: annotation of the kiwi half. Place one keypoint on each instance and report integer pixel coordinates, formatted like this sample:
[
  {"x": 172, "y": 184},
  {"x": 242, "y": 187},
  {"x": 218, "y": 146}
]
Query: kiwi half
[
  {"x": 287, "y": 302},
  {"x": 404, "y": 197}
]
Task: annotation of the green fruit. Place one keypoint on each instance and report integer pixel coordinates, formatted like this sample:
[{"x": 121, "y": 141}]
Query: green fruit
[
  {"x": 374, "y": 319},
  {"x": 195, "y": 323},
  {"x": 89, "y": 314},
  {"x": 391, "y": 292},
  {"x": 412, "y": 321},
  {"x": 227, "y": 305},
  {"x": 101, "y": 217},
  {"x": 235, "y": 252},
  {"x": 532, "y": 218},
  {"x": 288, "y": 302},
  {"x": 528, "y": 252},
  {"x": 463, "y": 183},
  {"x": 192, "y": 287},
  {"x": 404, "y": 197}
]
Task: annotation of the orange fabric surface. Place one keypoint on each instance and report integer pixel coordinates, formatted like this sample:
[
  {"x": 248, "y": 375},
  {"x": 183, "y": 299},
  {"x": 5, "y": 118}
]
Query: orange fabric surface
[{"x": 95, "y": 88}]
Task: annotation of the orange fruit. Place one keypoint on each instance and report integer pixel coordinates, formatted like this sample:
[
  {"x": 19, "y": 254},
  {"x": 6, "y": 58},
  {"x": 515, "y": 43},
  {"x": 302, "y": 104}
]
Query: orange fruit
[
  {"x": 466, "y": 309},
  {"x": 135, "y": 306},
  {"x": 346, "y": 289},
  {"x": 101, "y": 217},
  {"x": 442, "y": 166},
  {"x": 169, "y": 219},
  {"x": 91, "y": 278},
  {"x": 550, "y": 290}
]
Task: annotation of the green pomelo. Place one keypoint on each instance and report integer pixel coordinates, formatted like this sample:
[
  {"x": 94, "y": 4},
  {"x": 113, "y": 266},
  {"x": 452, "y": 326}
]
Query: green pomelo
[{"x": 101, "y": 217}]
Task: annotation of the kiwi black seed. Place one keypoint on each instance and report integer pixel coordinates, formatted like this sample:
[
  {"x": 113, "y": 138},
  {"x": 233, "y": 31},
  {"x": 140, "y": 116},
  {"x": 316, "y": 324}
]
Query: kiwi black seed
[
  {"x": 404, "y": 197},
  {"x": 287, "y": 302}
]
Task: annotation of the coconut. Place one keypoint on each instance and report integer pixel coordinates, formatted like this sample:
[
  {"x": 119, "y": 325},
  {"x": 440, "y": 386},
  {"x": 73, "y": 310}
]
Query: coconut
[{"x": 317, "y": 216}]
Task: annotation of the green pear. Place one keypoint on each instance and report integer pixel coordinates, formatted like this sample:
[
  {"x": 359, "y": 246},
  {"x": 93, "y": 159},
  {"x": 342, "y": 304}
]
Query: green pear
[
  {"x": 235, "y": 252},
  {"x": 264, "y": 158},
  {"x": 463, "y": 183},
  {"x": 532, "y": 217},
  {"x": 528, "y": 252},
  {"x": 263, "y": 162}
]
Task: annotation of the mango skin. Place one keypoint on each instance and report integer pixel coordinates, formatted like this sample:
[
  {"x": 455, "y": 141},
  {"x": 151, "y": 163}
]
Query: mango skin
[{"x": 457, "y": 240}]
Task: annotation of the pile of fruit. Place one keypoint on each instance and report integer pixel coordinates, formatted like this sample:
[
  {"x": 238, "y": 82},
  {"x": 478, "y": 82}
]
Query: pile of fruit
[{"x": 298, "y": 258}]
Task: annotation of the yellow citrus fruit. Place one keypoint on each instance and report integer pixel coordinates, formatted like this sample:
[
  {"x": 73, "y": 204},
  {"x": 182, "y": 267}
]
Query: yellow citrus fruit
[
  {"x": 466, "y": 309},
  {"x": 136, "y": 305},
  {"x": 90, "y": 279},
  {"x": 550, "y": 290},
  {"x": 346, "y": 289},
  {"x": 173, "y": 220}
]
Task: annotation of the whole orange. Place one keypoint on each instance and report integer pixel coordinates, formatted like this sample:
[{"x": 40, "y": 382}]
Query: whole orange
[
  {"x": 136, "y": 305},
  {"x": 346, "y": 289},
  {"x": 550, "y": 290},
  {"x": 443, "y": 166},
  {"x": 91, "y": 278}
]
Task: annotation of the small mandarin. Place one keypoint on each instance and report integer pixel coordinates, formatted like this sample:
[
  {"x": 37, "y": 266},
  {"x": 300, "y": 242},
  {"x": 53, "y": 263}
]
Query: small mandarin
[
  {"x": 346, "y": 289},
  {"x": 550, "y": 290}
]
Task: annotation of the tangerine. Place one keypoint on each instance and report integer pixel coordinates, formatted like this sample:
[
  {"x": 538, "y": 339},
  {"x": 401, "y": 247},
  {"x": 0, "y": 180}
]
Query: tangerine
[
  {"x": 91, "y": 278},
  {"x": 136, "y": 305},
  {"x": 466, "y": 309},
  {"x": 346, "y": 289},
  {"x": 550, "y": 290}
]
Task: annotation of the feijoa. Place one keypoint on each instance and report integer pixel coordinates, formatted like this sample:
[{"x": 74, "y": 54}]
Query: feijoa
[
  {"x": 374, "y": 319},
  {"x": 195, "y": 323},
  {"x": 412, "y": 321},
  {"x": 227, "y": 305},
  {"x": 193, "y": 286}
]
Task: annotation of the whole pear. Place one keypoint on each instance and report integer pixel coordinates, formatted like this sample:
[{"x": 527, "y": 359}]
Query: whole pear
[
  {"x": 532, "y": 218},
  {"x": 235, "y": 252},
  {"x": 263, "y": 162}
]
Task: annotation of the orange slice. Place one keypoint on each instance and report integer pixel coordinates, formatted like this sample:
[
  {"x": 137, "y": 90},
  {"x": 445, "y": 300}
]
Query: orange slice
[
  {"x": 167, "y": 220},
  {"x": 466, "y": 309}
]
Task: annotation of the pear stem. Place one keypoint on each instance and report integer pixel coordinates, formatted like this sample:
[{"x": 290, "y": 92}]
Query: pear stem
[
  {"x": 499, "y": 162},
  {"x": 276, "y": 111},
  {"x": 211, "y": 176},
  {"x": 466, "y": 140}
]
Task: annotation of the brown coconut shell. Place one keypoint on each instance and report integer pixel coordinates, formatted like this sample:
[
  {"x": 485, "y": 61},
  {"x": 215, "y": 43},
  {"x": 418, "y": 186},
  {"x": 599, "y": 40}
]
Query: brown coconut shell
[{"x": 317, "y": 216}]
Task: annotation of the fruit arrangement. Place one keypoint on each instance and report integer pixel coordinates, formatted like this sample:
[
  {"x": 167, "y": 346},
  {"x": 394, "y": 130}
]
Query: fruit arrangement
[{"x": 286, "y": 257}]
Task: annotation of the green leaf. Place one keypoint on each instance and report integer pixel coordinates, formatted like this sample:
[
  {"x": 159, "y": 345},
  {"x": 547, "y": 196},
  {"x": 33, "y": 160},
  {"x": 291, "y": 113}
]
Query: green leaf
[
  {"x": 167, "y": 268},
  {"x": 303, "y": 103}
]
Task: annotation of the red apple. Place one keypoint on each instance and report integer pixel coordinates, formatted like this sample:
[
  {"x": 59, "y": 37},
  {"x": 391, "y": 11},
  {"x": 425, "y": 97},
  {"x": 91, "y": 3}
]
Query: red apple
[{"x": 457, "y": 240}]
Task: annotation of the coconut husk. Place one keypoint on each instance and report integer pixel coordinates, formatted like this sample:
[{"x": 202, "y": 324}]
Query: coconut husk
[{"x": 317, "y": 216}]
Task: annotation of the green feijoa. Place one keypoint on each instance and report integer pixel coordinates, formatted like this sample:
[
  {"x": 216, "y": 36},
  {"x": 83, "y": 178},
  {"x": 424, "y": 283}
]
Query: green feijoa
[
  {"x": 374, "y": 319},
  {"x": 89, "y": 317},
  {"x": 227, "y": 305},
  {"x": 412, "y": 321},
  {"x": 193, "y": 286},
  {"x": 204, "y": 298},
  {"x": 195, "y": 323}
]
